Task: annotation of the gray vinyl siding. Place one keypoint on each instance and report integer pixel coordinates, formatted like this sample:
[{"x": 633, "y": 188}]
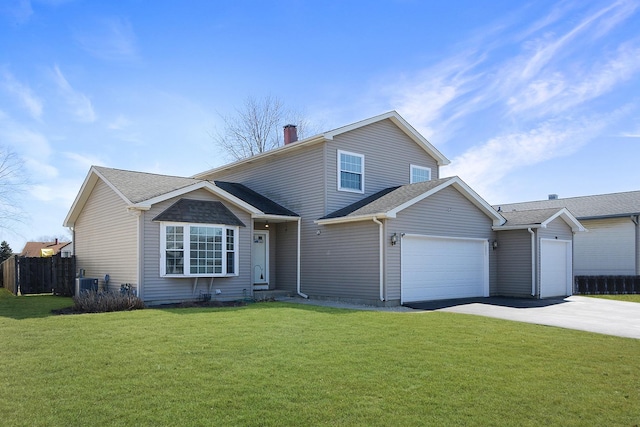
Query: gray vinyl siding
[
  {"x": 514, "y": 263},
  {"x": 388, "y": 154},
  {"x": 105, "y": 238},
  {"x": 294, "y": 180},
  {"x": 285, "y": 256},
  {"x": 158, "y": 290},
  {"x": 608, "y": 248},
  {"x": 343, "y": 262},
  {"x": 446, "y": 213}
]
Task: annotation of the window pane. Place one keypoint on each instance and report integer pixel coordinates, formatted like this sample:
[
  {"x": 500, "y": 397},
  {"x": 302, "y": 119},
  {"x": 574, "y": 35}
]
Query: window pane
[
  {"x": 203, "y": 257},
  {"x": 350, "y": 172},
  {"x": 419, "y": 174},
  {"x": 175, "y": 262},
  {"x": 231, "y": 262}
]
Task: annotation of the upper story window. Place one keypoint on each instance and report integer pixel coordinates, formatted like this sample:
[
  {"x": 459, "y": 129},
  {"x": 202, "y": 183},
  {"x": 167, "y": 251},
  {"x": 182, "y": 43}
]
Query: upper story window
[
  {"x": 350, "y": 172},
  {"x": 420, "y": 174},
  {"x": 198, "y": 250}
]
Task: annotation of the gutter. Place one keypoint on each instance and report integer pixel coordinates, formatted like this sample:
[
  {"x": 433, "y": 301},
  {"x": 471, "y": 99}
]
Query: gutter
[
  {"x": 381, "y": 249},
  {"x": 533, "y": 261},
  {"x": 298, "y": 290}
]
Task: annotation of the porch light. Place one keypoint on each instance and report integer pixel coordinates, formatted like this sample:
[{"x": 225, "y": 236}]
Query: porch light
[
  {"x": 494, "y": 244},
  {"x": 266, "y": 224},
  {"x": 394, "y": 239}
]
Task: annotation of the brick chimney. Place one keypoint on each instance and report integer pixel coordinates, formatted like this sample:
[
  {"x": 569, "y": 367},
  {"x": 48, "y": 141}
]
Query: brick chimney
[{"x": 290, "y": 134}]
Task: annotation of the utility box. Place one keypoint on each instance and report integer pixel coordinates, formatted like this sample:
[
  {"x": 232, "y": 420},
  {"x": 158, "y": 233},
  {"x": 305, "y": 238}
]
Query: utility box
[{"x": 86, "y": 284}]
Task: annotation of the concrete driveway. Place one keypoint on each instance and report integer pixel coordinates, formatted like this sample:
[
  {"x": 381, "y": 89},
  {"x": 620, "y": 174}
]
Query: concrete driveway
[{"x": 576, "y": 312}]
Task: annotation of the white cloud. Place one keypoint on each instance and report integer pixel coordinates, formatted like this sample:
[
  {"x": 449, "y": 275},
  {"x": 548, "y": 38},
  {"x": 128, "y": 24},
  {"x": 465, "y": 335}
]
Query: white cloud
[
  {"x": 83, "y": 162},
  {"x": 23, "y": 94},
  {"x": 111, "y": 39},
  {"x": 485, "y": 165},
  {"x": 79, "y": 103}
]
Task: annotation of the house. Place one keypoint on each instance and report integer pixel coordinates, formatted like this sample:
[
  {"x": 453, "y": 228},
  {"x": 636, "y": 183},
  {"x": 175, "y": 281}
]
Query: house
[
  {"x": 46, "y": 249},
  {"x": 612, "y": 244},
  {"x": 359, "y": 213}
]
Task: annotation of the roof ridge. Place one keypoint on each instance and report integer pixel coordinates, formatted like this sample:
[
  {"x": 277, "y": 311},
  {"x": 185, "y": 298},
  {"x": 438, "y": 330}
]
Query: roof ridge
[{"x": 146, "y": 173}]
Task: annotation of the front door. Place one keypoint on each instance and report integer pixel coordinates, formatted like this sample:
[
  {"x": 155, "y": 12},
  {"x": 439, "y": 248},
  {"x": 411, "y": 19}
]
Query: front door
[{"x": 260, "y": 259}]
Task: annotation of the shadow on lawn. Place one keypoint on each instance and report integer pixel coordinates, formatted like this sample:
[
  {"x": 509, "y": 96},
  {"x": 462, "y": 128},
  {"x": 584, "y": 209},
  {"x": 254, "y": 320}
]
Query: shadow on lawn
[{"x": 500, "y": 301}]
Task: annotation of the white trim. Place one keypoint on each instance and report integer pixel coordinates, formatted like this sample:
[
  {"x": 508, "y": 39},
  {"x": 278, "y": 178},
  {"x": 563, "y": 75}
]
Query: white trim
[
  {"x": 345, "y": 219},
  {"x": 393, "y": 115},
  {"x": 463, "y": 189},
  {"x": 197, "y": 186},
  {"x": 186, "y": 249},
  {"x": 402, "y": 124},
  {"x": 456, "y": 182},
  {"x": 569, "y": 264},
  {"x": 298, "y": 256},
  {"x": 339, "y": 170},
  {"x": 262, "y": 285},
  {"x": 486, "y": 267},
  {"x": 424, "y": 168}
]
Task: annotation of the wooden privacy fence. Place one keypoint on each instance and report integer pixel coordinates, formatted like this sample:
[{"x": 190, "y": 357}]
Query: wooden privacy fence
[
  {"x": 40, "y": 275},
  {"x": 606, "y": 285},
  {"x": 8, "y": 270}
]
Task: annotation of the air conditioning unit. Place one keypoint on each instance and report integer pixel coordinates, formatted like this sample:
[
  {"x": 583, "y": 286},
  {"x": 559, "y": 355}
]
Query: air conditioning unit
[{"x": 86, "y": 284}]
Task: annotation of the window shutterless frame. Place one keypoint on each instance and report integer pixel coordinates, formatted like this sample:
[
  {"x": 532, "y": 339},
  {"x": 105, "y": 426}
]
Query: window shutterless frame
[
  {"x": 198, "y": 250},
  {"x": 419, "y": 174},
  {"x": 350, "y": 168}
]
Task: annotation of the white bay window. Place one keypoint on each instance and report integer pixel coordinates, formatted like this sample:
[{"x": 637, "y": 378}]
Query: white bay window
[{"x": 198, "y": 250}]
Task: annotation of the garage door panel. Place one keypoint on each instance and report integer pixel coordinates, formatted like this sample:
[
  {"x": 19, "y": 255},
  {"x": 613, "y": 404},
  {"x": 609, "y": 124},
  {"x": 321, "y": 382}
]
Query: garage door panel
[
  {"x": 555, "y": 268},
  {"x": 442, "y": 268}
]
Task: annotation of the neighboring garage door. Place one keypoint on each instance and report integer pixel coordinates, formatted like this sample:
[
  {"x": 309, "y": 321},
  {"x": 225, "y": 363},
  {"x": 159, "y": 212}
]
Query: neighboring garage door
[
  {"x": 443, "y": 268},
  {"x": 555, "y": 268}
]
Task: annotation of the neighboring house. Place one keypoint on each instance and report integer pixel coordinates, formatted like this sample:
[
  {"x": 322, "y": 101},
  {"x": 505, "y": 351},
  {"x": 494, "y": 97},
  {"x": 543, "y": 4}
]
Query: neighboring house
[
  {"x": 46, "y": 249},
  {"x": 612, "y": 244},
  {"x": 359, "y": 213}
]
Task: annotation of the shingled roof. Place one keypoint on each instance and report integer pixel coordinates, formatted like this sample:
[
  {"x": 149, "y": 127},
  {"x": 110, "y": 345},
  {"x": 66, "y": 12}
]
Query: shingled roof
[
  {"x": 585, "y": 207},
  {"x": 199, "y": 212},
  {"x": 257, "y": 200},
  {"x": 140, "y": 186},
  {"x": 390, "y": 201}
]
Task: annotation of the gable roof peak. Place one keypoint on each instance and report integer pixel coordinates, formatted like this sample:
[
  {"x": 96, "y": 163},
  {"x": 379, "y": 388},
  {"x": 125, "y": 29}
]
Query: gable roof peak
[{"x": 392, "y": 115}]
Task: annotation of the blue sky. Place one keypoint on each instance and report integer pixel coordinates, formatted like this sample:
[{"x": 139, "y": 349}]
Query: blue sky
[{"x": 525, "y": 98}]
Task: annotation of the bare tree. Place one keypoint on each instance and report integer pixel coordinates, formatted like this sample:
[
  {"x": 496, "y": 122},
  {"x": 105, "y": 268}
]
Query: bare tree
[
  {"x": 13, "y": 182},
  {"x": 257, "y": 126}
]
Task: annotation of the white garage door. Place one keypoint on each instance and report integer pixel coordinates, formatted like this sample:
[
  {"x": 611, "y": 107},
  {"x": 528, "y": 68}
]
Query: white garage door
[
  {"x": 442, "y": 268},
  {"x": 555, "y": 268}
]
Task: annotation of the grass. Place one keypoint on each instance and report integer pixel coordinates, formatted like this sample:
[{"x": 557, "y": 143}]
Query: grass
[
  {"x": 626, "y": 297},
  {"x": 273, "y": 364}
]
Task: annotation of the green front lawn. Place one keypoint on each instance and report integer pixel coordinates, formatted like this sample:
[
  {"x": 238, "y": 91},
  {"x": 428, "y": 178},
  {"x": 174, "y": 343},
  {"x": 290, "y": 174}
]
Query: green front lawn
[{"x": 273, "y": 364}]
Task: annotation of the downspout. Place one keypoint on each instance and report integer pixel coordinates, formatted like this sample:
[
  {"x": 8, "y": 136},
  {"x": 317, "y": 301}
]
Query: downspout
[
  {"x": 533, "y": 261},
  {"x": 298, "y": 264},
  {"x": 636, "y": 221},
  {"x": 381, "y": 228}
]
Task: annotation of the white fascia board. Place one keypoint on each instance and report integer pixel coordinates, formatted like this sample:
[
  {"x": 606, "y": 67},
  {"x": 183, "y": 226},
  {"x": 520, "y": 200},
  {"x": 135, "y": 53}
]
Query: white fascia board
[
  {"x": 345, "y": 219},
  {"x": 276, "y": 151},
  {"x": 275, "y": 217},
  {"x": 403, "y": 125},
  {"x": 197, "y": 186},
  {"x": 516, "y": 227},
  {"x": 465, "y": 190},
  {"x": 83, "y": 195},
  {"x": 568, "y": 218}
]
